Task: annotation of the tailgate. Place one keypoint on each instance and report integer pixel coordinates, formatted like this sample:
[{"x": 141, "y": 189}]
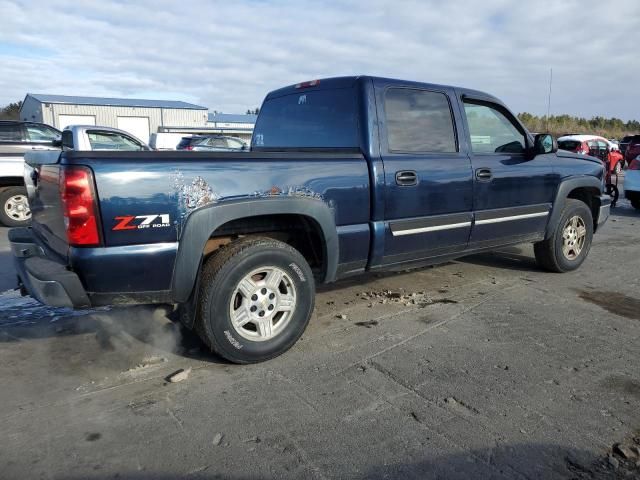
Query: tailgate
[{"x": 42, "y": 177}]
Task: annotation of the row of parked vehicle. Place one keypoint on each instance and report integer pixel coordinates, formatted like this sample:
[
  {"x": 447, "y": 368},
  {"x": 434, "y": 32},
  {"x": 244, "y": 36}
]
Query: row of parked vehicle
[
  {"x": 16, "y": 138},
  {"x": 617, "y": 154}
]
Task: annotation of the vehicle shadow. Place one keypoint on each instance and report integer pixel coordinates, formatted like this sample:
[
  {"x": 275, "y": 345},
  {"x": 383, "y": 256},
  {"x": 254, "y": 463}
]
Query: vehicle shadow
[
  {"x": 623, "y": 211},
  {"x": 510, "y": 258},
  {"x": 527, "y": 460},
  {"x": 113, "y": 329}
]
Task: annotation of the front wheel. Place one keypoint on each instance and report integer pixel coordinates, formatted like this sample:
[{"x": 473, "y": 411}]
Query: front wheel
[
  {"x": 569, "y": 244},
  {"x": 635, "y": 203},
  {"x": 256, "y": 298},
  {"x": 14, "y": 207}
]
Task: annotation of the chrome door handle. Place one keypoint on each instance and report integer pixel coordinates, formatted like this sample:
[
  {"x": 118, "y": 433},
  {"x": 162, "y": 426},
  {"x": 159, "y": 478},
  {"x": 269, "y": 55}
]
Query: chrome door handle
[
  {"x": 406, "y": 178},
  {"x": 483, "y": 174}
]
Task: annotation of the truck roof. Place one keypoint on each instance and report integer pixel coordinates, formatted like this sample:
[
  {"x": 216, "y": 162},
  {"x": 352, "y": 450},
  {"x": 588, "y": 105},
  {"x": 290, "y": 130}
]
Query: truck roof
[{"x": 349, "y": 81}]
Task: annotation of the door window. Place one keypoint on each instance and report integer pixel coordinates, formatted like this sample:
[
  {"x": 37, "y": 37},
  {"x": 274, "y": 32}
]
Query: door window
[
  {"x": 217, "y": 142},
  {"x": 41, "y": 133},
  {"x": 235, "y": 144},
  {"x": 491, "y": 131},
  {"x": 111, "y": 141},
  {"x": 419, "y": 121}
]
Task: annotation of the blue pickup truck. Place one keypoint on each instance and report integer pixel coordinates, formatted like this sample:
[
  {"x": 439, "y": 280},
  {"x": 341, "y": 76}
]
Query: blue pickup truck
[{"x": 344, "y": 176}]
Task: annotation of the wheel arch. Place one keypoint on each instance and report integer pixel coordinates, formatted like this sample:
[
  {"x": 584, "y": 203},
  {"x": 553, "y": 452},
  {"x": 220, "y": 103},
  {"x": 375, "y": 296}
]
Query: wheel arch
[
  {"x": 586, "y": 189},
  {"x": 202, "y": 225},
  {"x": 11, "y": 182}
]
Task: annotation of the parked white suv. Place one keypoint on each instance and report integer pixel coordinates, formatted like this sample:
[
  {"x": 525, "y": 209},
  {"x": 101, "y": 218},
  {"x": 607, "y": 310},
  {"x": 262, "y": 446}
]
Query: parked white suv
[
  {"x": 17, "y": 138},
  {"x": 632, "y": 182}
]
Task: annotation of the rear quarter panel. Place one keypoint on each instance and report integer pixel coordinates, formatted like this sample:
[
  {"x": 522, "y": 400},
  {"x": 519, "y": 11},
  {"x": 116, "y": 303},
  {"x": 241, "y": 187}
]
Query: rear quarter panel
[
  {"x": 175, "y": 184},
  {"x": 171, "y": 185}
]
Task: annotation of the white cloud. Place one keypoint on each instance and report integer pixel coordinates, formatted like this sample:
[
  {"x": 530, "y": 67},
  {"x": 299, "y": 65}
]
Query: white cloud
[{"x": 228, "y": 55}]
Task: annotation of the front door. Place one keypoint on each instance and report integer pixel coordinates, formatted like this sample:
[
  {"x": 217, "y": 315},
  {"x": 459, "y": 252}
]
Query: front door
[
  {"x": 428, "y": 180},
  {"x": 513, "y": 192}
]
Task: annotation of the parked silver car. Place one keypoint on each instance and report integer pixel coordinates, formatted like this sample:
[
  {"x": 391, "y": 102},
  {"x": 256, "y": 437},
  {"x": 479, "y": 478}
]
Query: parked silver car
[{"x": 92, "y": 138}]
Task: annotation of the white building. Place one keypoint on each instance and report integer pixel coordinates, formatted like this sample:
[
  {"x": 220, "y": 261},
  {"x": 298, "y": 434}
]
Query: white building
[{"x": 138, "y": 117}]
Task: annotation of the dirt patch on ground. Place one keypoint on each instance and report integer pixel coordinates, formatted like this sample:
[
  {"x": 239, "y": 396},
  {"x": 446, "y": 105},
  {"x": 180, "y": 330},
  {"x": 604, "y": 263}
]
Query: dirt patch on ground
[
  {"x": 614, "y": 302},
  {"x": 421, "y": 299}
]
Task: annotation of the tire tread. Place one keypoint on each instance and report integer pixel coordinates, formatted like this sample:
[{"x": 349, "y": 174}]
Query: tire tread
[{"x": 210, "y": 271}]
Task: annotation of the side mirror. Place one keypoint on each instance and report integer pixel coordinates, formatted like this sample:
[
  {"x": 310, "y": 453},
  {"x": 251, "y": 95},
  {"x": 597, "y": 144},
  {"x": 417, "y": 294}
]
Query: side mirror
[{"x": 544, "y": 143}]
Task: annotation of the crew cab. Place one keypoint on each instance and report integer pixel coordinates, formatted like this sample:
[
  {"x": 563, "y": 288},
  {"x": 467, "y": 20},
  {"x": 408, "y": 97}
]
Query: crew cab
[{"x": 345, "y": 176}]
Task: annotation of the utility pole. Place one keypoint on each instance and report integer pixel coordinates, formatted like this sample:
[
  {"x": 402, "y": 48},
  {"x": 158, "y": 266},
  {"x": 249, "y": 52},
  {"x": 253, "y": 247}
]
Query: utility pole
[{"x": 549, "y": 98}]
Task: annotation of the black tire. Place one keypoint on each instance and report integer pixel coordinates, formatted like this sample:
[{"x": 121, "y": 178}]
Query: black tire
[
  {"x": 549, "y": 253},
  {"x": 221, "y": 276},
  {"x": 635, "y": 203},
  {"x": 614, "y": 193},
  {"x": 7, "y": 194}
]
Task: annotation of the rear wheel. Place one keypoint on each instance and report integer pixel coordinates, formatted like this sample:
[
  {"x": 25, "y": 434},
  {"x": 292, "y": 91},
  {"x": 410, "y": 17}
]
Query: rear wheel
[
  {"x": 256, "y": 299},
  {"x": 568, "y": 246},
  {"x": 14, "y": 207},
  {"x": 635, "y": 203}
]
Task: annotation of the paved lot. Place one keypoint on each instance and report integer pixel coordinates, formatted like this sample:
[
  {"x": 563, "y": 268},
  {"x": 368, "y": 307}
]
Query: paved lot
[{"x": 494, "y": 369}]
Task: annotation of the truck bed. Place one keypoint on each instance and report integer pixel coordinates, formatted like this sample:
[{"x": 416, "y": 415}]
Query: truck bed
[{"x": 145, "y": 199}]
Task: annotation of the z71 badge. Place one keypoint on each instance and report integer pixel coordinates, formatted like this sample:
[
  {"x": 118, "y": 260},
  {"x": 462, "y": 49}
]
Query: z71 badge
[{"x": 131, "y": 222}]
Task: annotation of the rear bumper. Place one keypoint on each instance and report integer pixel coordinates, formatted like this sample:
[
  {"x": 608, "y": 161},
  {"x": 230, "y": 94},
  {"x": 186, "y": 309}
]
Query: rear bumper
[
  {"x": 44, "y": 278},
  {"x": 605, "y": 210}
]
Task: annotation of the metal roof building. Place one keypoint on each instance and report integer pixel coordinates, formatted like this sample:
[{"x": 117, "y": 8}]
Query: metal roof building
[
  {"x": 240, "y": 126},
  {"x": 139, "y": 117}
]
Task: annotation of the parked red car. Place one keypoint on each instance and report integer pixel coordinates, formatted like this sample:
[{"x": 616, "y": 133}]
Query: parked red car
[
  {"x": 633, "y": 149},
  {"x": 596, "y": 146}
]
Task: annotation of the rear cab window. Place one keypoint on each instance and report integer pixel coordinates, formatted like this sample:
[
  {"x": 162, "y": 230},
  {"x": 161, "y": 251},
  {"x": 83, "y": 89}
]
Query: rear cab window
[{"x": 308, "y": 119}]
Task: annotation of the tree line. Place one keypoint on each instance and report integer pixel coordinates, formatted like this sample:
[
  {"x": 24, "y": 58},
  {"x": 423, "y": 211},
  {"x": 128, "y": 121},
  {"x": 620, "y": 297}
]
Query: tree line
[
  {"x": 11, "y": 111},
  {"x": 559, "y": 125}
]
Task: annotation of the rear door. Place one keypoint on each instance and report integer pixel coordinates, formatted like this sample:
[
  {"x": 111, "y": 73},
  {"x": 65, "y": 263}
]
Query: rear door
[
  {"x": 428, "y": 181},
  {"x": 513, "y": 192}
]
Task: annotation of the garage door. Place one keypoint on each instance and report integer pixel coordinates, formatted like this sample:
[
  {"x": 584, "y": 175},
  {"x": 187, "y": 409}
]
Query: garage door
[
  {"x": 66, "y": 120},
  {"x": 137, "y": 126}
]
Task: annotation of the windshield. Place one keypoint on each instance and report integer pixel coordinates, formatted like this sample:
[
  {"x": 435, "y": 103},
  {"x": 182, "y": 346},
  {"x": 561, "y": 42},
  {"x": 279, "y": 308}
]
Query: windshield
[{"x": 308, "y": 119}]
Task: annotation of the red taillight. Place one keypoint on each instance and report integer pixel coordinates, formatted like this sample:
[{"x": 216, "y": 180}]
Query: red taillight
[
  {"x": 189, "y": 147},
  {"x": 312, "y": 83},
  {"x": 634, "y": 165},
  {"x": 79, "y": 206}
]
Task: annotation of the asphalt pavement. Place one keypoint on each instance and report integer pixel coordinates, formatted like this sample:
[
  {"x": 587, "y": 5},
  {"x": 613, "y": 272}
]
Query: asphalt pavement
[{"x": 485, "y": 367}]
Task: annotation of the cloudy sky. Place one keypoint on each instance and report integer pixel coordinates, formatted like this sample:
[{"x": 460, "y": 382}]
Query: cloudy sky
[{"x": 227, "y": 55}]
